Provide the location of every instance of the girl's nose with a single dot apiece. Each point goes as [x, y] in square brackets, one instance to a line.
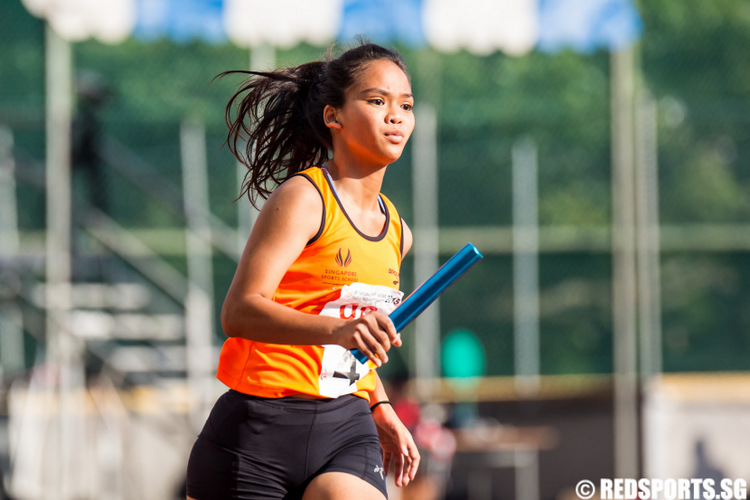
[394, 117]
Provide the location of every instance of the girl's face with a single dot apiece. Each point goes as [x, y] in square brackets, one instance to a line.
[376, 119]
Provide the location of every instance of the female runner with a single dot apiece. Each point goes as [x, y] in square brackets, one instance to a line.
[303, 418]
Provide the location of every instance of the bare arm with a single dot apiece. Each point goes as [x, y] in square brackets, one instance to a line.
[396, 441]
[289, 218]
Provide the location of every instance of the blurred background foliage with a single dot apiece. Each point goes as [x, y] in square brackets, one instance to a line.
[693, 59]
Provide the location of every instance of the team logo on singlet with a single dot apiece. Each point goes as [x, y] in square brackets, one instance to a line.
[340, 370]
[395, 275]
[344, 261]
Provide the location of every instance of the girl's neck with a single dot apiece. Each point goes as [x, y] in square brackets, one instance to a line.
[360, 185]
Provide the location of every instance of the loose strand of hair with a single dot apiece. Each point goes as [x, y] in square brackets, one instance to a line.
[265, 135]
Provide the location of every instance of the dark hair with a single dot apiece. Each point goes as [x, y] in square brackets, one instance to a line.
[275, 119]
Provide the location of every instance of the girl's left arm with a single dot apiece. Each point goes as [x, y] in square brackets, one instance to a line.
[396, 441]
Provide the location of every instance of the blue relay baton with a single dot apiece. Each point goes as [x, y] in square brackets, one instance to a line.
[427, 292]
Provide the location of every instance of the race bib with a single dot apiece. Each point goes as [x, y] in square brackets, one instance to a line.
[340, 370]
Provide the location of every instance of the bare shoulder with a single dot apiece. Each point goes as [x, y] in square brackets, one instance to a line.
[288, 220]
[297, 189]
[296, 202]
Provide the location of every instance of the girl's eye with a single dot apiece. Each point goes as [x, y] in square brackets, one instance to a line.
[377, 101]
[407, 107]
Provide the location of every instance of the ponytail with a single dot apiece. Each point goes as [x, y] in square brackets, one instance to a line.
[275, 119]
[271, 128]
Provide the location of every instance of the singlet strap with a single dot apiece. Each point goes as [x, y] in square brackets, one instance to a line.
[381, 204]
[322, 226]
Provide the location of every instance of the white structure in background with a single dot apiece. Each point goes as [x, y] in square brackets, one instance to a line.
[648, 235]
[426, 245]
[281, 23]
[261, 26]
[76, 20]
[482, 27]
[62, 352]
[61, 475]
[624, 263]
[697, 425]
[262, 58]
[9, 237]
[478, 26]
[11, 317]
[526, 267]
[199, 303]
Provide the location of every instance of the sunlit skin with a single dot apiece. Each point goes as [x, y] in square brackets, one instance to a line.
[372, 127]
[369, 132]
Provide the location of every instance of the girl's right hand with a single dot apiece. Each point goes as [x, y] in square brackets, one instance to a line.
[373, 334]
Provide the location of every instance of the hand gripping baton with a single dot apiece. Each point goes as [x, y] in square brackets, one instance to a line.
[427, 292]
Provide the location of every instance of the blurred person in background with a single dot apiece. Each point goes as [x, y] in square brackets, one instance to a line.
[303, 417]
[92, 94]
[436, 443]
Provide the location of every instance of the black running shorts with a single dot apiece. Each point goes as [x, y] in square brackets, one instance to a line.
[258, 448]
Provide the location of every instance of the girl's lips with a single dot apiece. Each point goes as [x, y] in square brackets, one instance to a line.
[395, 137]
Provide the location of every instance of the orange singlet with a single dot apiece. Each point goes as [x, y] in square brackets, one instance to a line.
[342, 273]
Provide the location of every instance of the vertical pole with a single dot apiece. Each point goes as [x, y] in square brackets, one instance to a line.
[11, 320]
[626, 432]
[59, 343]
[262, 58]
[649, 287]
[12, 353]
[526, 267]
[199, 300]
[9, 238]
[647, 214]
[426, 246]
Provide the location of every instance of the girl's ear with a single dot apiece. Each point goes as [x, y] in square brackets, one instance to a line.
[329, 117]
